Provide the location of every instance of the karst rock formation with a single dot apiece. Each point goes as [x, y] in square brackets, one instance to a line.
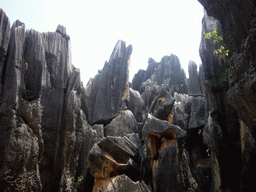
[160, 132]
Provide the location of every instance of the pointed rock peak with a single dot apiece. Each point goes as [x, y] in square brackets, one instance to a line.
[61, 29]
[151, 61]
[4, 30]
[18, 23]
[192, 67]
[4, 16]
[121, 51]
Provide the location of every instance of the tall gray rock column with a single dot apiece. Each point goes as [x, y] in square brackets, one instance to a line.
[108, 92]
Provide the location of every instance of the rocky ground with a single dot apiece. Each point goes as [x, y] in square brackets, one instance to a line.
[160, 132]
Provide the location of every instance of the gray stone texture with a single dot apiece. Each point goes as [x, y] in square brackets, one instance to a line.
[123, 124]
[44, 132]
[108, 91]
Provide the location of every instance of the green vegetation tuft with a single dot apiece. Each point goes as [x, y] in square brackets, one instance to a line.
[216, 39]
[224, 77]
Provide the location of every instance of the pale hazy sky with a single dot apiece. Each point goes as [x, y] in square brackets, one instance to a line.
[153, 28]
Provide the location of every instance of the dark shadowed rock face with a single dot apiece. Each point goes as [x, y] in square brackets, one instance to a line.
[108, 92]
[222, 128]
[238, 24]
[138, 80]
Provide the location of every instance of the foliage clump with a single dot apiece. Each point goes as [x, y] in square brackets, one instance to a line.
[224, 77]
[216, 39]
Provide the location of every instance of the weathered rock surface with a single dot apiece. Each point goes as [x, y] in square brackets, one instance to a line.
[114, 156]
[165, 166]
[21, 143]
[53, 130]
[238, 24]
[167, 72]
[159, 103]
[138, 80]
[166, 133]
[108, 91]
[136, 105]
[194, 85]
[4, 40]
[19, 154]
[222, 129]
[123, 183]
[123, 124]
[43, 125]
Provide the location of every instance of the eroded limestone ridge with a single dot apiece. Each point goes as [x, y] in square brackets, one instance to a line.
[57, 135]
[43, 126]
[162, 132]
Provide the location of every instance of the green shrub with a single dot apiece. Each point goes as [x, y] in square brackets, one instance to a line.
[216, 39]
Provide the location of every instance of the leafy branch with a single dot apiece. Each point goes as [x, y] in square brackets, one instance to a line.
[216, 39]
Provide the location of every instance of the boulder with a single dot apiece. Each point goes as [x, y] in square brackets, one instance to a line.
[136, 105]
[158, 101]
[123, 124]
[148, 87]
[163, 147]
[189, 111]
[157, 126]
[122, 183]
[162, 104]
[99, 128]
[180, 117]
[114, 156]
